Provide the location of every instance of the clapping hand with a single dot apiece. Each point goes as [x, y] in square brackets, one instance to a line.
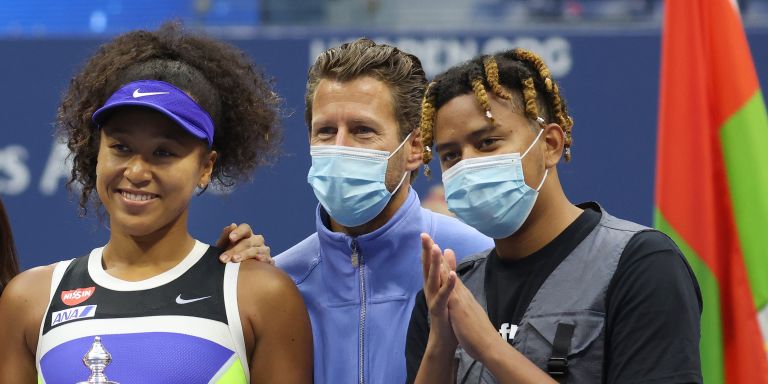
[439, 281]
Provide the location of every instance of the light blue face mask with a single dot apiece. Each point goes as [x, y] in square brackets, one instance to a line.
[349, 182]
[489, 193]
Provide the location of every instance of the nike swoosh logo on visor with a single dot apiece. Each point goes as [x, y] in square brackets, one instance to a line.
[179, 300]
[137, 93]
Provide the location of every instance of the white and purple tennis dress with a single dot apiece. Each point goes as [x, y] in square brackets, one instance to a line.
[182, 326]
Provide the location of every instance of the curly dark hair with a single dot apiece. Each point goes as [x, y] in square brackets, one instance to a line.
[220, 77]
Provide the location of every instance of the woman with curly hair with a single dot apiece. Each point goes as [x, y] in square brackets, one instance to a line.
[153, 118]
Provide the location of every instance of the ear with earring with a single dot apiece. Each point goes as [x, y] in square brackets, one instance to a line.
[201, 188]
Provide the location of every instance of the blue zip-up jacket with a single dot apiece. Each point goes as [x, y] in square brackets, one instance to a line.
[360, 291]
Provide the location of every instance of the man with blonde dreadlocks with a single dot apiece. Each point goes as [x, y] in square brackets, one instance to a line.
[576, 295]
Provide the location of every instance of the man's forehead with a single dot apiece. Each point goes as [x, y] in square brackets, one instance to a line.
[367, 93]
[362, 83]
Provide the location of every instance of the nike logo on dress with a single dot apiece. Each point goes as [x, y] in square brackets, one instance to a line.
[179, 300]
[137, 94]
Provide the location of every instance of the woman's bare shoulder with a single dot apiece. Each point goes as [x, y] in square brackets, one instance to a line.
[264, 291]
[264, 279]
[31, 285]
[25, 300]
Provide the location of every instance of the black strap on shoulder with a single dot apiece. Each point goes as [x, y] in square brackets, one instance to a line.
[557, 366]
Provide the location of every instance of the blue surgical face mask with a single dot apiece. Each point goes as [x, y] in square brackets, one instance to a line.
[489, 193]
[349, 182]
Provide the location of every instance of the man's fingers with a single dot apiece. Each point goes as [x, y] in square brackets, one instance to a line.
[261, 253]
[433, 278]
[244, 231]
[458, 291]
[442, 296]
[264, 258]
[241, 244]
[426, 249]
[426, 242]
[450, 258]
[444, 270]
[233, 233]
[223, 240]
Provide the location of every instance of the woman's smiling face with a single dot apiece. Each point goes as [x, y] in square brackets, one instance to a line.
[147, 170]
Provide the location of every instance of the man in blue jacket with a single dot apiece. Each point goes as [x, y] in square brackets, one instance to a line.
[360, 272]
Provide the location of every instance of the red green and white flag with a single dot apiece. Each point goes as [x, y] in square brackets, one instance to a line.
[712, 181]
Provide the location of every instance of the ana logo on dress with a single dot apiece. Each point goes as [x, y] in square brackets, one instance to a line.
[77, 296]
[75, 313]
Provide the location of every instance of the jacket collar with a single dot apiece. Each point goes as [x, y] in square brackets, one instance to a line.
[390, 256]
[409, 211]
[379, 246]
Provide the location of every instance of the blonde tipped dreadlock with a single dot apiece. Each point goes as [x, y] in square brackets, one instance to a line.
[529, 97]
[492, 75]
[426, 126]
[560, 111]
[482, 98]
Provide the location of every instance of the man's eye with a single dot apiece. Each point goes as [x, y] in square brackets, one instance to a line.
[488, 142]
[449, 157]
[363, 130]
[325, 132]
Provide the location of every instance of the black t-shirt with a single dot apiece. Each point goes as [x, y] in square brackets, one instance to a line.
[653, 305]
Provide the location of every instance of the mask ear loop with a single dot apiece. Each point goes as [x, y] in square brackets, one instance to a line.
[534, 142]
[400, 184]
[406, 172]
[546, 170]
[400, 146]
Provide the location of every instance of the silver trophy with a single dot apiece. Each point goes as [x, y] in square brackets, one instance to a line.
[97, 360]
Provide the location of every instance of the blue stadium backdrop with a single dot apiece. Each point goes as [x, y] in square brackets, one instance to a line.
[609, 77]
